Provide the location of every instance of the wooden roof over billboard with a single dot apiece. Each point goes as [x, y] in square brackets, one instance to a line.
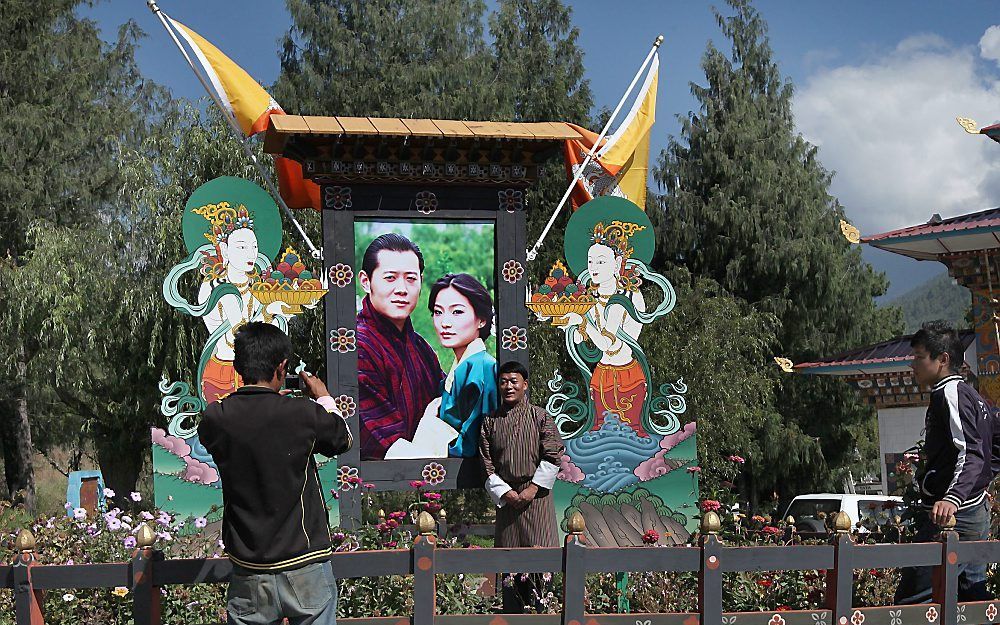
[282, 127]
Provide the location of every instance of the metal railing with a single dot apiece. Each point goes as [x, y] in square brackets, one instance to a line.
[711, 559]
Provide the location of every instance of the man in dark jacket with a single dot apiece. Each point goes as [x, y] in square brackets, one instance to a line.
[274, 523]
[958, 444]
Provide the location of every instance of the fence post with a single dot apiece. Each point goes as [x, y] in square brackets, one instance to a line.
[840, 579]
[27, 600]
[424, 582]
[145, 596]
[945, 588]
[710, 574]
[574, 571]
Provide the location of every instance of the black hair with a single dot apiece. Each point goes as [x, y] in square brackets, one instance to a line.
[513, 366]
[940, 337]
[474, 291]
[260, 348]
[394, 243]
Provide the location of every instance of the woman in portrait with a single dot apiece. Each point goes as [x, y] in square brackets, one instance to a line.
[462, 311]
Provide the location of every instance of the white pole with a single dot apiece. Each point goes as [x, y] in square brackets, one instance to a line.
[533, 252]
[237, 131]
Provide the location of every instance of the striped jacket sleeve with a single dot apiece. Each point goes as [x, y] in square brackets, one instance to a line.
[963, 424]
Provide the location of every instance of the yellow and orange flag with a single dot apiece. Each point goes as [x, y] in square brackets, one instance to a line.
[251, 107]
[621, 164]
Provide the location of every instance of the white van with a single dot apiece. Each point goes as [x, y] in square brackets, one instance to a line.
[812, 513]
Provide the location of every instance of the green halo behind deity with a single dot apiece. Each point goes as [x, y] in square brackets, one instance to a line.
[604, 210]
[263, 211]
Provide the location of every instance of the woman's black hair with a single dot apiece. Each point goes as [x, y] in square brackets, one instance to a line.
[474, 291]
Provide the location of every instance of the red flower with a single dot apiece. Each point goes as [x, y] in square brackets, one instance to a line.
[765, 583]
[710, 505]
[770, 529]
[651, 537]
[418, 483]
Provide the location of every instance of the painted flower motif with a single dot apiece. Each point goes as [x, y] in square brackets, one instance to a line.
[896, 617]
[512, 271]
[931, 614]
[120, 591]
[341, 274]
[343, 340]
[777, 619]
[426, 202]
[345, 405]
[337, 198]
[960, 614]
[433, 473]
[511, 200]
[514, 338]
[347, 477]
[991, 612]
[857, 618]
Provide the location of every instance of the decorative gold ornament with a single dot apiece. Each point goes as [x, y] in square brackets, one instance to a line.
[145, 537]
[25, 541]
[426, 524]
[576, 523]
[710, 523]
[842, 522]
[970, 125]
[852, 234]
[224, 219]
[785, 363]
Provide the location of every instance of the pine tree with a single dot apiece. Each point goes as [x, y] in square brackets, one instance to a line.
[67, 100]
[747, 204]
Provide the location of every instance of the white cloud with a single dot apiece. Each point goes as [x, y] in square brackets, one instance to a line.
[887, 128]
[989, 44]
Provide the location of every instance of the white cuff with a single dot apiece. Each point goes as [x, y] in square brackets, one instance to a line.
[545, 475]
[328, 404]
[497, 488]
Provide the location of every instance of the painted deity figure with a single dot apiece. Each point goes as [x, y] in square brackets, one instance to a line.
[619, 383]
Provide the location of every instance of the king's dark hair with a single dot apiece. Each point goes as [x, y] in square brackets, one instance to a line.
[474, 291]
[940, 337]
[260, 348]
[392, 242]
[513, 366]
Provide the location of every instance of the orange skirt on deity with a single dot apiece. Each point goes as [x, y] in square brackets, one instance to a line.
[219, 379]
[620, 390]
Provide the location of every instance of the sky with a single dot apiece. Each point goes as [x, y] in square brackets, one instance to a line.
[877, 87]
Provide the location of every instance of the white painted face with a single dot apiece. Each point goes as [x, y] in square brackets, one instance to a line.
[240, 250]
[604, 268]
[454, 319]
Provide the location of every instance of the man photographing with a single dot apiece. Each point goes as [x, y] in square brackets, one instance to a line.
[274, 523]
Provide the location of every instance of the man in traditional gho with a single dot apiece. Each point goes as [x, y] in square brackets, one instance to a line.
[521, 450]
[398, 372]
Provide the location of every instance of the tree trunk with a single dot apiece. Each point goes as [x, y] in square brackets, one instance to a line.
[18, 450]
[121, 460]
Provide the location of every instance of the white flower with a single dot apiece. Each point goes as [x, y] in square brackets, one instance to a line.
[134, 496]
[200, 522]
[79, 513]
[126, 518]
[108, 492]
[114, 524]
[69, 597]
[146, 515]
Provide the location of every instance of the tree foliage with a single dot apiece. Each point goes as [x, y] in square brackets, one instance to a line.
[747, 204]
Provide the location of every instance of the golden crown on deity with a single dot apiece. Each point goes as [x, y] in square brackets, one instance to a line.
[616, 236]
[224, 220]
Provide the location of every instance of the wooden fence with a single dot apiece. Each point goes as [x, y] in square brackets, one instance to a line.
[148, 571]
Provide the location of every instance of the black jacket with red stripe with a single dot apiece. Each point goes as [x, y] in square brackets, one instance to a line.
[274, 515]
[958, 436]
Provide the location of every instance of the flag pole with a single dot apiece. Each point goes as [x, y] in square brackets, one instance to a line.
[236, 130]
[533, 252]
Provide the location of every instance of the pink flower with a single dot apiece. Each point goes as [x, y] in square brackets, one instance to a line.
[710, 505]
[418, 483]
[651, 537]
[737, 459]
[129, 542]
[770, 529]
[694, 469]
[432, 496]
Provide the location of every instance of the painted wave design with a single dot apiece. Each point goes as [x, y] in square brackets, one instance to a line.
[609, 456]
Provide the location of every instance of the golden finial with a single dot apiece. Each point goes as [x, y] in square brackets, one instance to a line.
[852, 234]
[790, 520]
[785, 364]
[381, 514]
[146, 537]
[25, 541]
[970, 125]
[842, 522]
[710, 523]
[442, 514]
[576, 523]
[426, 524]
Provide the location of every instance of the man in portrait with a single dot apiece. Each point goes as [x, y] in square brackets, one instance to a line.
[398, 372]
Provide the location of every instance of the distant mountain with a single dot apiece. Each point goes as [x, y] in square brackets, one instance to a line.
[941, 297]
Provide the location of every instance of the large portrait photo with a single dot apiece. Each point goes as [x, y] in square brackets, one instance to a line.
[426, 343]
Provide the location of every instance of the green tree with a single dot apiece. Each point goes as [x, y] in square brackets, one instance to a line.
[67, 99]
[747, 204]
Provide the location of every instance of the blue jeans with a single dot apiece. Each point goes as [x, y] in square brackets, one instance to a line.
[916, 582]
[306, 596]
